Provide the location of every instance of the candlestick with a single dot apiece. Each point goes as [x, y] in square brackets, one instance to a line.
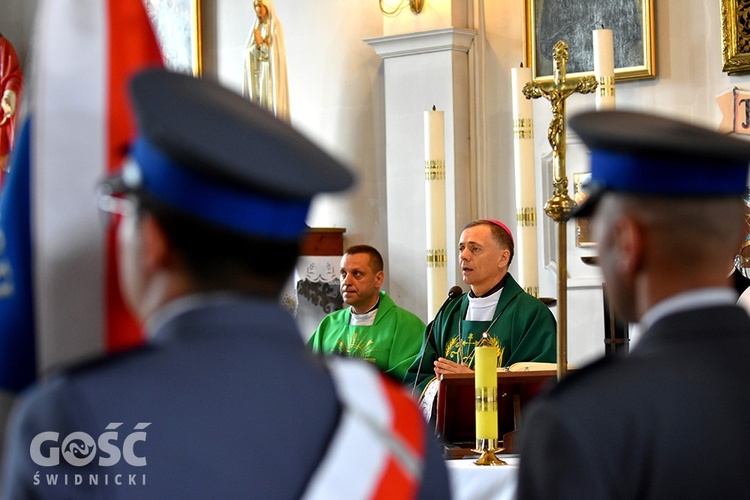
[523, 155]
[604, 68]
[434, 150]
[485, 394]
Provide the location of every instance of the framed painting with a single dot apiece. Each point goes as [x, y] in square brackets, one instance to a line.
[573, 21]
[178, 28]
[735, 36]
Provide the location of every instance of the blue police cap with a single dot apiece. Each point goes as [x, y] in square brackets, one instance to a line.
[646, 154]
[205, 151]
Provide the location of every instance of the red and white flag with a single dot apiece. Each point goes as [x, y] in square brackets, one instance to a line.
[84, 54]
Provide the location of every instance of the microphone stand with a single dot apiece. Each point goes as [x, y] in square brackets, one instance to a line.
[454, 293]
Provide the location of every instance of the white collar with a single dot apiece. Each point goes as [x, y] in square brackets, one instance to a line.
[365, 319]
[482, 308]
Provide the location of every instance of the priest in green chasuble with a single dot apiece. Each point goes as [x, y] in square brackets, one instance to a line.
[373, 328]
[520, 326]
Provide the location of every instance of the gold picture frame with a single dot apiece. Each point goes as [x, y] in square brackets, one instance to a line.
[177, 24]
[735, 37]
[573, 21]
[584, 238]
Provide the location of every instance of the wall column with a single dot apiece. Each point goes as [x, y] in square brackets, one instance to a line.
[421, 70]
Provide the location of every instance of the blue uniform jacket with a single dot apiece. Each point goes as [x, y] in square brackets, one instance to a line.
[225, 402]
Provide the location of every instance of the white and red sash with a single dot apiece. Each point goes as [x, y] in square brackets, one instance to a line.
[379, 448]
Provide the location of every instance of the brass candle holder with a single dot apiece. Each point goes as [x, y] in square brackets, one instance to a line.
[487, 449]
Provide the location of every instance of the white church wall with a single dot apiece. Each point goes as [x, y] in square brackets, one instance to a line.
[336, 93]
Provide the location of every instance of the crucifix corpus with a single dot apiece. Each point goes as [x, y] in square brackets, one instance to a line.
[559, 206]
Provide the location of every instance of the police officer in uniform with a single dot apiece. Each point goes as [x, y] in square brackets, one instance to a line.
[225, 400]
[670, 419]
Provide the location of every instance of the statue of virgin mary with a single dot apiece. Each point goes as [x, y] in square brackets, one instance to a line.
[264, 80]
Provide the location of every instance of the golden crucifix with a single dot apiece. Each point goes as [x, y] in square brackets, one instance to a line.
[559, 206]
[557, 91]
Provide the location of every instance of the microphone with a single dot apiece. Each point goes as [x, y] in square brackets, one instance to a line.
[454, 293]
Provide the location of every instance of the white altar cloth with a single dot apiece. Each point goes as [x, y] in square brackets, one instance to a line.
[487, 482]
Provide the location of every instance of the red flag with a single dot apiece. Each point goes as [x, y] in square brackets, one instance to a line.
[86, 51]
[127, 22]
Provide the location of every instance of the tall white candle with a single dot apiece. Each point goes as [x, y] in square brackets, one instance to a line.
[523, 155]
[434, 152]
[604, 68]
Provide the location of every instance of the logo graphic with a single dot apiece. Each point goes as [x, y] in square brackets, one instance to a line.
[80, 449]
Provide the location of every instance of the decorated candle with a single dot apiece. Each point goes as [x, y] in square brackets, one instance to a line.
[604, 68]
[434, 151]
[525, 183]
[485, 389]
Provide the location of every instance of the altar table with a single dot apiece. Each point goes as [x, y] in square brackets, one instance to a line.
[486, 482]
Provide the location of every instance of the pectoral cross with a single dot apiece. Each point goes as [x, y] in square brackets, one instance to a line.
[557, 91]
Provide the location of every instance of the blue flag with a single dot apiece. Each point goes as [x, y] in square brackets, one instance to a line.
[17, 351]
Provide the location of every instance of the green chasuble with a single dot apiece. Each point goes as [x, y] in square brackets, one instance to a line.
[392, 342]
[524, 329]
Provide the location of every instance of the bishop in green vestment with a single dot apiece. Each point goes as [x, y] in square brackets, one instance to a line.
[520, 326]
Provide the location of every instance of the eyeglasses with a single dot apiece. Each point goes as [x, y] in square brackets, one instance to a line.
[110, 205]
[116, 205]
[741, 261]
[742, 264]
